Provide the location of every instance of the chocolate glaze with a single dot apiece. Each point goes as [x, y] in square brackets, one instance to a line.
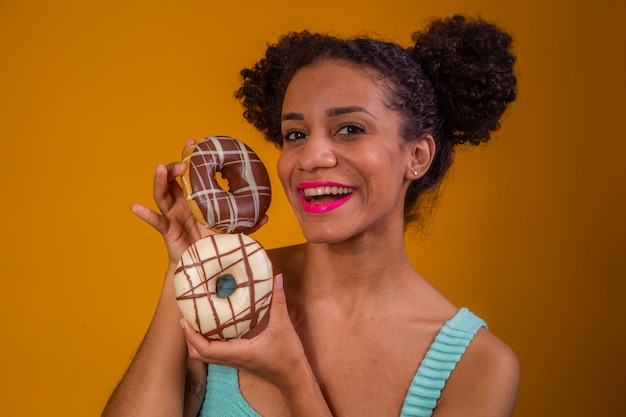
[249, 192]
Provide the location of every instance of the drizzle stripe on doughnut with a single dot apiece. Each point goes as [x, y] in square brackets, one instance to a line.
[196, 285]
[249, 194]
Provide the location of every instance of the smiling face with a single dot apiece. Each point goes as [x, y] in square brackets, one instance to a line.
[344, 166]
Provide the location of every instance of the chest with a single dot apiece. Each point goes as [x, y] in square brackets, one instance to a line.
[361, 372]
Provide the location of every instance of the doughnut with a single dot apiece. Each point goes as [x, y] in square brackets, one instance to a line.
[249, 192]
[223, 285]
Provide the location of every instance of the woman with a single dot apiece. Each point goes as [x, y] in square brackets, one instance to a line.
[353, 329]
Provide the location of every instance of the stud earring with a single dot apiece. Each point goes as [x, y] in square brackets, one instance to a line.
[415, 173]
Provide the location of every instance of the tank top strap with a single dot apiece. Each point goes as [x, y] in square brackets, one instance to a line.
[440, 360]
[223, 397]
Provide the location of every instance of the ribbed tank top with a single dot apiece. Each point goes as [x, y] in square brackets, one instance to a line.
[223, 398]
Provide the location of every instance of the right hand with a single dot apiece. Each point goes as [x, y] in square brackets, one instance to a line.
[175, 222]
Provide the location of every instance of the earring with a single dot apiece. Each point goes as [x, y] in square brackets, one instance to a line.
[415, 173]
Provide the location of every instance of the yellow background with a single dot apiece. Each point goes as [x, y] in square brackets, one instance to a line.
[529, 231]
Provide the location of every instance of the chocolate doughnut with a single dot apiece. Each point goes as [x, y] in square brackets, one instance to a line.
[239, 265]
[249, 193]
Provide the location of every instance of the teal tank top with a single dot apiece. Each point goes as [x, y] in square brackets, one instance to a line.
[223, 398]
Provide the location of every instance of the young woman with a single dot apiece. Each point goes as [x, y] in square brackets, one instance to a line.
[367, 130]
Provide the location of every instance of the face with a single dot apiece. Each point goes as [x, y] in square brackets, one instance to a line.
[343, 165]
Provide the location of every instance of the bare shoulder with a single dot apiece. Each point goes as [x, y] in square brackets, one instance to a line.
[485, 382]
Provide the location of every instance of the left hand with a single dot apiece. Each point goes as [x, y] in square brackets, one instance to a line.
[258, 355]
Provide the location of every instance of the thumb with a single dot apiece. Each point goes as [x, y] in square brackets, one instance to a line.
[278, 307]
[278, 292]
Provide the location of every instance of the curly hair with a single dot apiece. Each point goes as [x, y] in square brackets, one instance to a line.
[454, 83]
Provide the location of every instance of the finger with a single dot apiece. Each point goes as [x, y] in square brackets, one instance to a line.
[165, 189]
[193, 353]
[205, 230]
[194, 338]
[215, 351]
[149, 216]
[279, 314]
[279, 299]
[160, 189]
[175, 169]
[191, 143]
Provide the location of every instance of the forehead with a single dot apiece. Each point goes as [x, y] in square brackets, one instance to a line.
[335, 82]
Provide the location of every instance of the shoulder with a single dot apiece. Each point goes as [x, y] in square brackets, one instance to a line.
[484, 383]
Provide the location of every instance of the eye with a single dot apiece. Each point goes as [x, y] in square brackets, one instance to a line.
[351, 130]
[293, 136]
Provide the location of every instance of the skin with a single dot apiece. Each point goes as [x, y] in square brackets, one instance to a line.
[350, 318]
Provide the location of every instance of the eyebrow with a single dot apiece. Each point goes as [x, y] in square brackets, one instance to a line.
[333, 111]
[338, 111]
[292, 116]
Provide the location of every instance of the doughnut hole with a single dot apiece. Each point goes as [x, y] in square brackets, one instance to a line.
[226, 286]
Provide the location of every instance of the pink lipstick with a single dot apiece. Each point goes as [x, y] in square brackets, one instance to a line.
[321, 196]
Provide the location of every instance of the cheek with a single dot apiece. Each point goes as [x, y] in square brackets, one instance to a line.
[388, 176]
[387, 166]
[284, 168]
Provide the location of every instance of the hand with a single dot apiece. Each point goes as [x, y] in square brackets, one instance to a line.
[175, 222]
[258, 355]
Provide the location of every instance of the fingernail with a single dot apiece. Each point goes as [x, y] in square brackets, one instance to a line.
[182, 323]
[278, 281]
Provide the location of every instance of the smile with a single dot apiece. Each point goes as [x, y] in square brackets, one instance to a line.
[322, 197]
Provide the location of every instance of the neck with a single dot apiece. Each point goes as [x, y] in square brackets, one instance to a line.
[355, 273]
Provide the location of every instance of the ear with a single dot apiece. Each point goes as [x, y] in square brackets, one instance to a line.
[421, 156]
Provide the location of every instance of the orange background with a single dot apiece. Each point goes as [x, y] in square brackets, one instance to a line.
[529, 231]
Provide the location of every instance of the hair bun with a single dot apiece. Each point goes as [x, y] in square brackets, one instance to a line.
[471, 68]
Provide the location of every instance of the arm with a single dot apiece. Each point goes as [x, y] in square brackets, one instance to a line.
[154, 384]
[161, 380]
[195, 387]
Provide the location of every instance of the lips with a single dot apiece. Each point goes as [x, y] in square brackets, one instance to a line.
[322, 197]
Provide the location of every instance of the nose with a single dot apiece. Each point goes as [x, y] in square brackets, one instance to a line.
[318, 152]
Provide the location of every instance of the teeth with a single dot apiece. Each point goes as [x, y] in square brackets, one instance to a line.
[327, 190]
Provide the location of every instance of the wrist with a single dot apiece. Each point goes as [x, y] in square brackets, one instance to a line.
[304, 396]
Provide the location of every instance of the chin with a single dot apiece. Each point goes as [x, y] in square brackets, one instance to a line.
[319, 234]
[326, 234]
[320, 238]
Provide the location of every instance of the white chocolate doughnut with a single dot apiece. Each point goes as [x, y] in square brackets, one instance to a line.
[249, 192]
[222, 257]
